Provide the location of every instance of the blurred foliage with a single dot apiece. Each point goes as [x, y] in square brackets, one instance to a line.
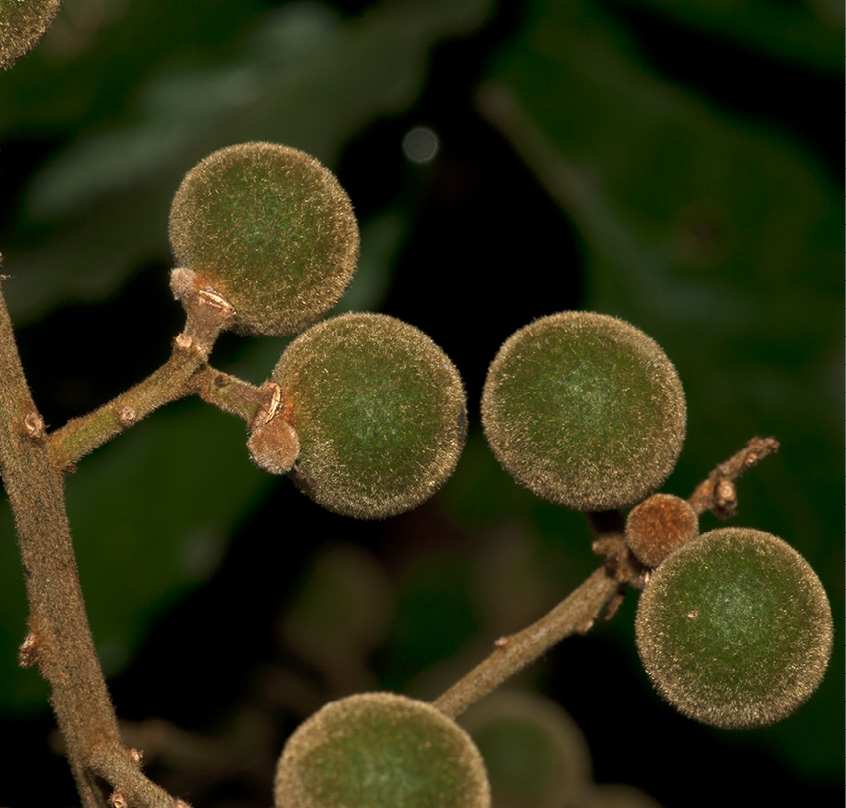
[663, 162]
[535, 754]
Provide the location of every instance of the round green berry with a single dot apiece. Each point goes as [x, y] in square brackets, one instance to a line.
[269, 229]
[379, 411]
[735, 629]
[380, 750]
[585, 410]
[22, 24]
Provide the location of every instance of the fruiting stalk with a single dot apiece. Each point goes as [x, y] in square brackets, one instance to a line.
[574, 615]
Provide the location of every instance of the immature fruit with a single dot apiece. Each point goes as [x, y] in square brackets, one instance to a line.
[535, 753]
[22, 24]
[341, 610]
[659, 525]
[734, 629]
[585, 410]
[379, 411]
[270, 229]
[380, 750]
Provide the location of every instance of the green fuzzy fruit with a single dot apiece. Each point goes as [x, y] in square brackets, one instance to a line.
[380, 750]
[270, 229]
[379, 411]
[585, 410]
[735, 629]
[22, 24]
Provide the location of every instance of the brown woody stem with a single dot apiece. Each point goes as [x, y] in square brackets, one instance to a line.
[717, 493]
[59, 639]
[190, 354]
[574, 615]
[79, 436]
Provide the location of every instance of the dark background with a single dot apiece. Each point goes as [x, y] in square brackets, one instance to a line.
[672, 166]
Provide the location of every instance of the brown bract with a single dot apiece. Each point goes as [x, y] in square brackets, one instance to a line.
[274, 446]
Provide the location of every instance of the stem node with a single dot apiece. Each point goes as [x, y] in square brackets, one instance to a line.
[128, 416]
[33, 425]
[28, 652]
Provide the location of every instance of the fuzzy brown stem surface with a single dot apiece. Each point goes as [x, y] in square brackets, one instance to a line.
[189, 355]
[59, 641]
[717, 493]
[574, 615]
[79, 436]
[230, 394]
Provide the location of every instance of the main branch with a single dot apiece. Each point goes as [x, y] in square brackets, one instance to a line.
[59, 641]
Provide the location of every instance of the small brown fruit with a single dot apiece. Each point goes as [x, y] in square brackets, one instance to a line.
[659, 525]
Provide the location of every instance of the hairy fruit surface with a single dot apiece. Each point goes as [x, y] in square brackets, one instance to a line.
[585, 410]
[379, 411]
[734, 629]
[380, 750]
[268, 228]
[22, 24]
[659, 525]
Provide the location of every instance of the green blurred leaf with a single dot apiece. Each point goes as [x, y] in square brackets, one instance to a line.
[807, 33]
[150, 515]
[302, 78]
[535, 753]
[96, 53]
[433, 617]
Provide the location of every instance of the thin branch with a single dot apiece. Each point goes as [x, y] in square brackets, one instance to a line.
[231, 394]
[717, 493]
[82, 435]
[574, 615]
[191, 349]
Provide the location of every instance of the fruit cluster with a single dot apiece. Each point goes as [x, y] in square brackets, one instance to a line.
[368, 417]
[371, 414]
[733, 626]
